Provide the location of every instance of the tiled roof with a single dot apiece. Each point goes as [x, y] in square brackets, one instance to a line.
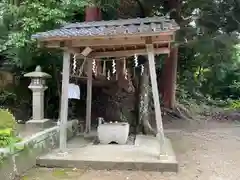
[113, 27]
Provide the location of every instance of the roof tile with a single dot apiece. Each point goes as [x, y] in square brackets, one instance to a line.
[114, 27]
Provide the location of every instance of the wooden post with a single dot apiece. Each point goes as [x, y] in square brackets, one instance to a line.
[104, 68]
[119, 69]
[92, 13]
[153, 77]
[64, 101]
[89, 96]
[173, 76]
[99, 67]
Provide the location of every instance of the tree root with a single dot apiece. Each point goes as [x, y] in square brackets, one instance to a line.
[147, 128]
[179, 112]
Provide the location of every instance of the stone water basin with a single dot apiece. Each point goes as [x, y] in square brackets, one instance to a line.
[113, 132]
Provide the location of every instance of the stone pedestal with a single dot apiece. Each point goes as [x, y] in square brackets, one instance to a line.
[38, 119]
[38, 102]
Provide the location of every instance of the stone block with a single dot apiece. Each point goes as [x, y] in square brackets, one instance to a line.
[41, 123]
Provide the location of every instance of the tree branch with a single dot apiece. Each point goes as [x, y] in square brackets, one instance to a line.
[143, 13]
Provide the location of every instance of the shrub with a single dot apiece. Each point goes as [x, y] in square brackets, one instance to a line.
[7, 98]
[7, 120]
[7, 129]
[7, 138]
[235, 104]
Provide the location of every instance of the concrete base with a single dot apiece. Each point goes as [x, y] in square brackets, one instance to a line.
[143, 155]
[42, 123]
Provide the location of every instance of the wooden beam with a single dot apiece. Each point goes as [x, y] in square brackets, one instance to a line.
[153, 77]
[108, 42]
[126, 53]
[120, 42]
[64, 101]
[89, 96]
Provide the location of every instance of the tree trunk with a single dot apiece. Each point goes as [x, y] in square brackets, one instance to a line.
[144, 109]
[168, 79]
[169, 75]
[93, 13]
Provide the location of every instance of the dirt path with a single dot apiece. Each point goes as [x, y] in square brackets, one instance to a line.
[203, 153]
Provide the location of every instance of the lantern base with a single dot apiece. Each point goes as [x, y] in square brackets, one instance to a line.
[41, 123]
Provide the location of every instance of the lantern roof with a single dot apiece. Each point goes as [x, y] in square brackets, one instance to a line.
[37, 73]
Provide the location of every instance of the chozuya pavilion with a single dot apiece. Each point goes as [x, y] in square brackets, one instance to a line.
[115, 39]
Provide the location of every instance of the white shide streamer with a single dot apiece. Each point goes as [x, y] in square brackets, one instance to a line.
[94, 67]
[108, 75]
[126, 74]
[74, 63]
[142, 69]
[135, 60]
[113, 67]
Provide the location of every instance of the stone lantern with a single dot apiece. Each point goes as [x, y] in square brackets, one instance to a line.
[38, 86]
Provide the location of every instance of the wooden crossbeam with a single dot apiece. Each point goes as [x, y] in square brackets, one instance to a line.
[106, 42]
[126, 53]
[120, 42]
[123, 53]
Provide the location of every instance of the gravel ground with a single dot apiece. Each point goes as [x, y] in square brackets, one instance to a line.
[203, 154]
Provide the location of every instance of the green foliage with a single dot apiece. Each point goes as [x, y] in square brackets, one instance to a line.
[208, 58]
[235, 105]
[7, 97]
[7, 138]
[7, 129]
[213, 72]
[20, 21]
[7, 120]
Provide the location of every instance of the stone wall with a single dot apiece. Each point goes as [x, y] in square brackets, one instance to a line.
[6, 78]
[16, 162]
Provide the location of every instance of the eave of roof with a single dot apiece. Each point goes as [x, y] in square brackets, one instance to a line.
[127, 27]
